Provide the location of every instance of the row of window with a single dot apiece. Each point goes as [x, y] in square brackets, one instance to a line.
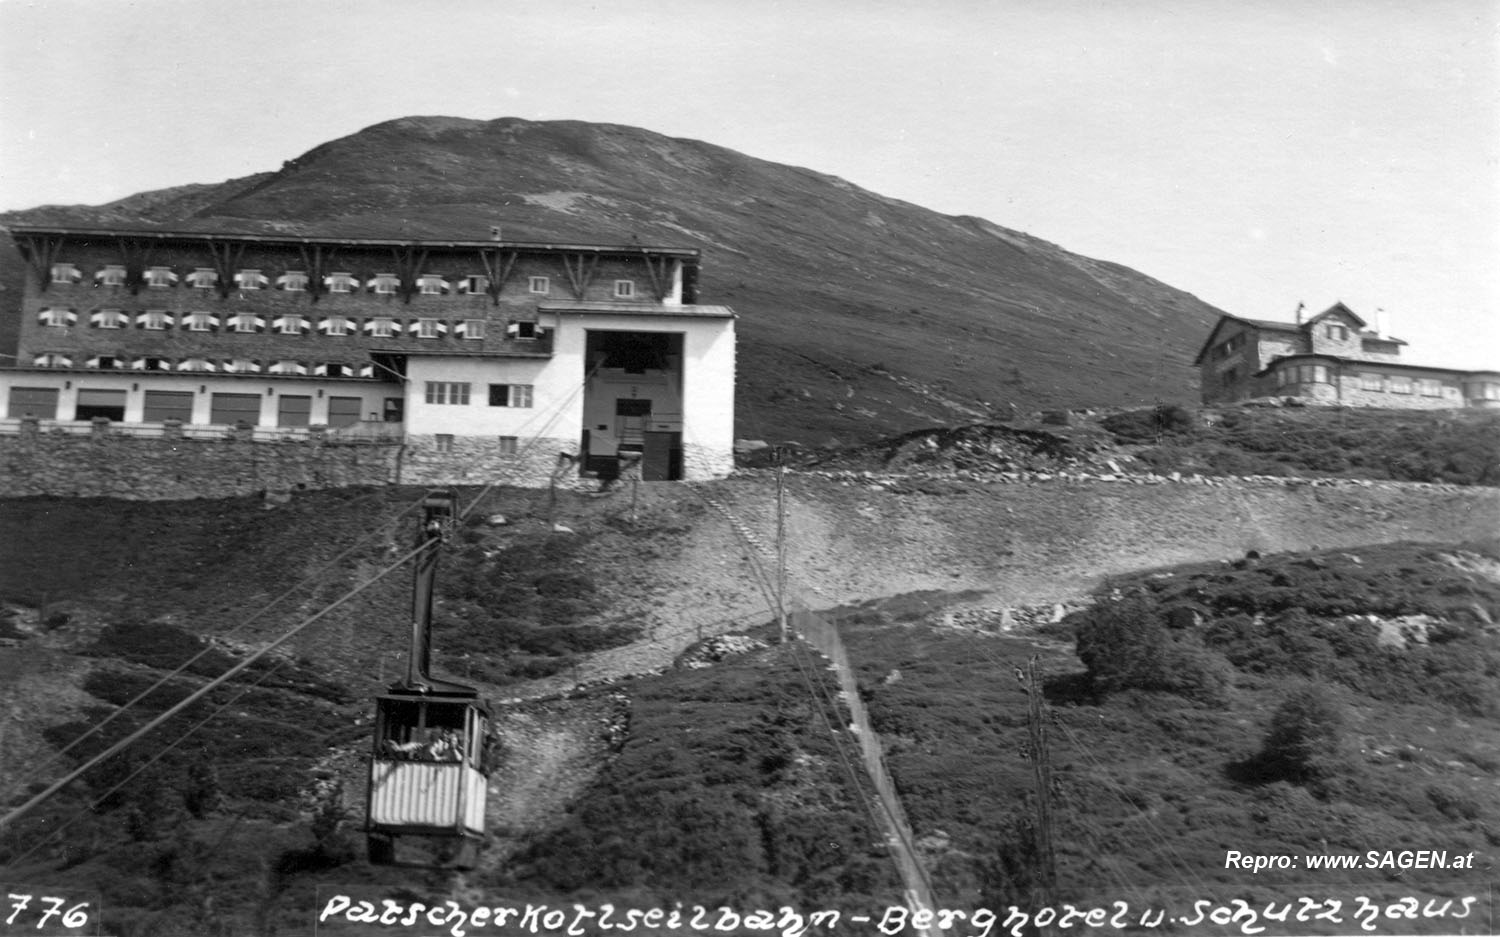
[248, 323]
[206, 365]
[1368, 381]
[457, 393]
[160, 405]
[296, 281]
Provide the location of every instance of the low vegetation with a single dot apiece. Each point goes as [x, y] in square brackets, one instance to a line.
[1457, 447]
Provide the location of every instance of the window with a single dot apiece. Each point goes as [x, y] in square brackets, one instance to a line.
[57, 317]
[429, 328]
[343, 411]
[65, 274]
[245, 322]
[1400, 385]
[336, 325]
[293, 410]
[1428, 387]
[293, 281]
[163, 405]
[443, 442]
[1372, 382]
[385, 284]
[1303, 374]
[472, 329]
[200, 322]
[154, 320]
[525, 331]
[1452, 393]
[1338, 333]
[242, 366]
[473, 284]
[151, 364]
[111, 275]
[539, 285]
[340, 282]
[251, 280]
[40, 402]
[429, 284]
[287, 366]
[333, 369]
[447, 392]
[103, 362]
[93, 403]
[108, 319]
[510, 395]
[290, 325]
[381, 328]
[52, 360]
[509, 445]
[1482, 390]
[203, 278]
[235, 408]
[1229, 346]
[624, 289]
[160, 278]
[196, 364]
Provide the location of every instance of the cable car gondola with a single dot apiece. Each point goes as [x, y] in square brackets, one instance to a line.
[428, 770]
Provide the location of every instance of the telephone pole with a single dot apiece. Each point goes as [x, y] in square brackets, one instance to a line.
[1041, 768]
[778, 454]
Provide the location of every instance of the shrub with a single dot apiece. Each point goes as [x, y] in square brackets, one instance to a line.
[1126, 645]
[1305, 738]
[1149, 425]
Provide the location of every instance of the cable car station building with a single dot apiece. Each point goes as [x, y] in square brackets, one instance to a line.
[484, 360]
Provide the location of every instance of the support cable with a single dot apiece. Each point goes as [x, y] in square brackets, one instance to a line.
[202, 691]
[208, 648]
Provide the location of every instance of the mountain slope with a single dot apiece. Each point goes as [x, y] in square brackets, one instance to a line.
[860, 314]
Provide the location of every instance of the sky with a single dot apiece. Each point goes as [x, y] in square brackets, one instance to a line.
[1256, 153]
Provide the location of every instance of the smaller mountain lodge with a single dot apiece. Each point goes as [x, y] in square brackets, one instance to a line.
[1334, 357]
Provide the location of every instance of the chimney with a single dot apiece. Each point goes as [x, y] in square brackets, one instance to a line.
[1380, 331]
[1300, 307]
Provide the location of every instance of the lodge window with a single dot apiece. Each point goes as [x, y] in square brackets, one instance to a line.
[201, 322]
[429, 328]
[340, 282]
[1483, 390]
[510, 395]
[1371, 382]
[196, 364]
[1429, 388]
[447, 392]
[108, 319]
[539, 285]
[154, 320]
[1337, 333]
[151, 364]
[104, 362]
[1400, 385]
[431, 285]
[293, 281]
[474, 284]
[40, 402]
[245, 322]
[290, 325]
[1303, 374]
[111, 275]
[160, 405]
[336, 325]
[472, 329]
[381, 328]
[285, 366]
[509, 445]
[203, 279]
[57, 317]
[526, 331]
[233, 409]
[65, 274]
[160, 278]
[443, 442]
[52, 360]
[385, 283]
[241, 366]
[624, 289]
[251, 280]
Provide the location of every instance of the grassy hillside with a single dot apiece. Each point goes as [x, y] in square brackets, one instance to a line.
[861, 315]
